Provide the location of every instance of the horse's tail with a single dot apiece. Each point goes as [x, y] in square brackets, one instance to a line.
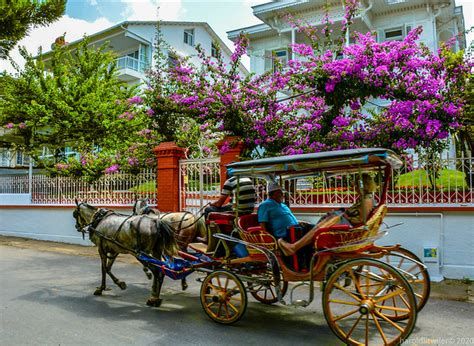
[168, 244]
[201, 227]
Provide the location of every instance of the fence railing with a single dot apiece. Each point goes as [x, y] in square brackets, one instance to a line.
[112, 189]
[444, 183]
[451, 183]
[199, 183]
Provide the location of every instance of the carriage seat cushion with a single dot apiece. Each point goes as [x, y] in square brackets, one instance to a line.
[221, 218]
[248, 221]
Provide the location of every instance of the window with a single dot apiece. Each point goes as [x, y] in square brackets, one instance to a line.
[22, 159]
[214, 50]
[281, 56]
[189, 36]
[394, 34]
[133, 55]
[4, 158]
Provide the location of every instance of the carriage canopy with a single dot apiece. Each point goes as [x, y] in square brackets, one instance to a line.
[307, 164]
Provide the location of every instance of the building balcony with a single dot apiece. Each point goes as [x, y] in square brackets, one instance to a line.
[131, 69]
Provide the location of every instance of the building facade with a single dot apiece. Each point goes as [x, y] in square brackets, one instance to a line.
[388, 19]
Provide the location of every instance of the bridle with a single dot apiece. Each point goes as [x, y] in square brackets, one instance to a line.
[90, 227]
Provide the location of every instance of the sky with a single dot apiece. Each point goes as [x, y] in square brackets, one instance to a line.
[90, 16]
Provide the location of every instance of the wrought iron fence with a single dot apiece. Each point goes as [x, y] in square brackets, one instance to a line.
[112, 189]
[448, 182]
[445, 182]
[199, 183]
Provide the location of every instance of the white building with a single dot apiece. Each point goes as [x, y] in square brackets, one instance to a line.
[389, 19]
[134, 42]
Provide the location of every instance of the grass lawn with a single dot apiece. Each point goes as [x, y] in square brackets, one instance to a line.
[448, 179]
[149, 186]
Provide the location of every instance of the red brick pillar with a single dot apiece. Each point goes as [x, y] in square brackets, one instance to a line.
[232, 147]
[168, 155]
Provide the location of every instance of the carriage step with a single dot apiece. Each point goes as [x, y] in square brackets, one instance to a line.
[300, 302]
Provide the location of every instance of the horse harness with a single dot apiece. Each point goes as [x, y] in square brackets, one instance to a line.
[98, 217]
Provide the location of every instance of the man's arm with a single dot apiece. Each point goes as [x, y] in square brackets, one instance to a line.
[220, 202]
[264, 226]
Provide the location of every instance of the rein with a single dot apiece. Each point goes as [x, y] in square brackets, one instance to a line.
[98, 216]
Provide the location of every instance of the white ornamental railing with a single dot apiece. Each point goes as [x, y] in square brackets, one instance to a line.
[447, 182]
[199, 184]
[111, 189]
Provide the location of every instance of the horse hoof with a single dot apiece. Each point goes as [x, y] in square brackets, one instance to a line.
[184, 286]
[98, 292]
[122, 285]
[155, 302]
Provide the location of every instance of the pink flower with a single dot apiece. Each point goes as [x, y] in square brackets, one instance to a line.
[112, 169]
[135, 100]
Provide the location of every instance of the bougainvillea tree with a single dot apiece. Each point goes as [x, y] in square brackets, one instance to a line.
[395, 94]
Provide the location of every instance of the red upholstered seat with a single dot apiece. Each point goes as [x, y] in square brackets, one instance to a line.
[251, 232]
[225, 221]
[246, 221]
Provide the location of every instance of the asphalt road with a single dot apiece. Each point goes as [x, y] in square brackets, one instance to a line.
[46, 299]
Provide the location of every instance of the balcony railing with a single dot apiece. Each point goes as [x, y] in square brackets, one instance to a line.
[131, 63]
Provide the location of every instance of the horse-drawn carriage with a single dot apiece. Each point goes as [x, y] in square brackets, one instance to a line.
[370, 293]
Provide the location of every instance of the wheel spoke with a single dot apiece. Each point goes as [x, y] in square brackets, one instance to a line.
[394, 304]
[402, 259]
[338, 301]
[353, 327]
[226, 310]
[418, 295]
[379, 328]
[226, 283]
[232, 306]
[367, 330]
[413, 267]
[389, 295]
[346, 291]
[375, 276]
[346, 315]
[356, 282]
[209, 305]
[393, 308]
[404, 301]
[367, 283]
[385, 318]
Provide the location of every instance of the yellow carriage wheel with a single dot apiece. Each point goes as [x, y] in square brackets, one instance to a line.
[223, 297]
[358, 303]
[416, 275]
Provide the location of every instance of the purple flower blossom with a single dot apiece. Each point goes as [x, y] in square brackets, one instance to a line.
[112, 169]
[137, 100]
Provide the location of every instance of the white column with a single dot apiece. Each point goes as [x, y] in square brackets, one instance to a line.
[293, 41]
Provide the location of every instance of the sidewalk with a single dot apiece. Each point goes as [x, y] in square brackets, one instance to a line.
[459, 290]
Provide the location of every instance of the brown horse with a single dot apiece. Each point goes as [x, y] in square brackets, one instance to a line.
[115, 234]
[188, 228]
